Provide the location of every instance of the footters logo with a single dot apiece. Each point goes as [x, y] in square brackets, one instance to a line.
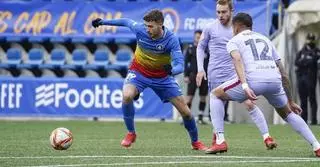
[100, 96]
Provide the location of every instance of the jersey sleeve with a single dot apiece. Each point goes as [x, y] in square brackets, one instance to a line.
[232, 46]
[177, 59]
[122, 22]
[202, 46]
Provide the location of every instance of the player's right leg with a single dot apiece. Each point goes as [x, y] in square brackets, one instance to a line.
[261, 123]
[130, 90]
[232, 90]
[217, 112]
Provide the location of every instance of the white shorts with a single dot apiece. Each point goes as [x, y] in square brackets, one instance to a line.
[272, 91]
[213, 85]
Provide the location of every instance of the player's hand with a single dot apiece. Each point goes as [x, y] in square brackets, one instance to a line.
[168, 69]
[295, 107]
[186, 79]
[96, 22]
[250, 94]
[200, 75]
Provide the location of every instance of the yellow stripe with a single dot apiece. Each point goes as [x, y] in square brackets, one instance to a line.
[151, 60]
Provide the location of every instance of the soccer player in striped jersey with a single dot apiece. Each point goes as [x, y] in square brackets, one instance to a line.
[157, 59]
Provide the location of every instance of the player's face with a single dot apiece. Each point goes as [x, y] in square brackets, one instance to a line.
[224, 14]
[153, 28]
[197, 38]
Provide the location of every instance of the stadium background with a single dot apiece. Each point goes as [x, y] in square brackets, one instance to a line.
[54, 64]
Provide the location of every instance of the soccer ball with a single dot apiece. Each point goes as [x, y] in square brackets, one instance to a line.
[61, 138]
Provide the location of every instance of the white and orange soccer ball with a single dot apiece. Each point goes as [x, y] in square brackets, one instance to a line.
[61, 138]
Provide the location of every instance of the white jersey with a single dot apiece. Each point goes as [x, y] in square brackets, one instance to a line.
[258, 55]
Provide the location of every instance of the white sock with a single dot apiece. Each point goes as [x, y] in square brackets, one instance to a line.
[260, 121]
[220, 137]
[315, 146]
[300, 126]
[265, 136]
[217, 113]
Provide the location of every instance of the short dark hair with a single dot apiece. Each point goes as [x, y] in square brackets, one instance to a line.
[244, 19]
[154, 15]
[198, 32]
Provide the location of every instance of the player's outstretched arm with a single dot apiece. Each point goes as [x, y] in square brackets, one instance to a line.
[285, 80]
[238, 64]
[287, 88]
[114, 22]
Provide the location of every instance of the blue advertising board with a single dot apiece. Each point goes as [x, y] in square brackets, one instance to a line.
[73, 18]
[74, 98]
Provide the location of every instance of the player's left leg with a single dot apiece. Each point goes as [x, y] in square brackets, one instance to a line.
[188, 121]
[169, 91]
[300, 126]
[280, 102]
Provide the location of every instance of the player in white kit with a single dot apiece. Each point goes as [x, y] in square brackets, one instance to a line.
[258, 69]
[220, 69]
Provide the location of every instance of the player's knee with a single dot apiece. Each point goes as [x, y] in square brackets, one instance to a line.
[186, 116]
[219, 93]
[283, 112]
[186, 113]
[127, 98]
[249, 105]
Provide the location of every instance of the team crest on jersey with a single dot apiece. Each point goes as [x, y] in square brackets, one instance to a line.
[160, 47]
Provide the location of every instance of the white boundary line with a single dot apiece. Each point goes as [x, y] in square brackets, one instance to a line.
[165, 156]
[179, 162]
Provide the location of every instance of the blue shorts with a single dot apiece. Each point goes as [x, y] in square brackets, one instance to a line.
[166, 88]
